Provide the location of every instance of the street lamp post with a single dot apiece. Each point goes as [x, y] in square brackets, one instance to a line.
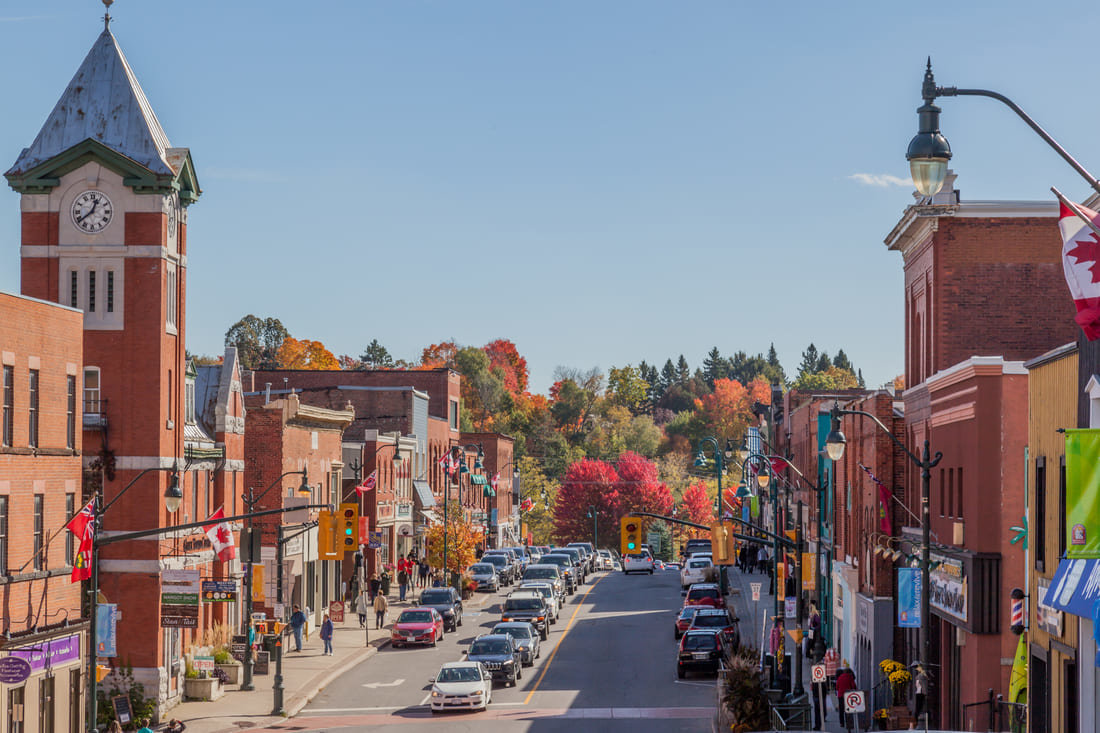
[250, 501]
[834, 446]
[929, 150]
[719, 469]
[173, 495]
[595, 526]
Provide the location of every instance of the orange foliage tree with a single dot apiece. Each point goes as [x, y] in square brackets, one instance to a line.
[696, 506]
[439, 355]
[513, 367]
[462, 541]
[727, 410]
[305, 354]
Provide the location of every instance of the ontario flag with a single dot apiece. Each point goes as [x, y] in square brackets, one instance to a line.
[220, 536]
[446, 462]
[82, 525]
[368, 483]
[1081, 262]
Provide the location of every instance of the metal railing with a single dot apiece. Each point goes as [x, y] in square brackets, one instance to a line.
[998, 716]
[95, 413]
[792, 715]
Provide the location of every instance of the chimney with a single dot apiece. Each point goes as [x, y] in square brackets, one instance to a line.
[267, 393]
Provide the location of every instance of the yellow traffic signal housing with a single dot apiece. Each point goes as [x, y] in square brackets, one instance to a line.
[348, 528]
[327, 547]
[630, 535]
[721, 543]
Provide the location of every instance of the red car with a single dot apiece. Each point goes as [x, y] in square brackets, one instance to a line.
[417, 626]
[705, 594]
[684, 620]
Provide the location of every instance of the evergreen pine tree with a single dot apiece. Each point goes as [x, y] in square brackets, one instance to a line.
[859, 376]
[823, 363]
[841, 361]
[668, 376]
[683, 371]
[809, 360]
[714, 367]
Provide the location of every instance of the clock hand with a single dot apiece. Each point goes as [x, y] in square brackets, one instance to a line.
[90, 211]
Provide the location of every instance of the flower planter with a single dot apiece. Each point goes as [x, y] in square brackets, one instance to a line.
[196, 688]
[232, 671]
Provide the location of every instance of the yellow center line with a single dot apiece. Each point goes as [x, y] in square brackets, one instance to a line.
[561, 640]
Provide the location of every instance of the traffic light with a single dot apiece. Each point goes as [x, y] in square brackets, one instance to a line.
[630, 535]
[327, 547]
[721, 543]
[348, 528]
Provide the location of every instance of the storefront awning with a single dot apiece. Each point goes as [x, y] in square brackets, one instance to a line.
[1075, 587]
[424, 493]
[477, 479]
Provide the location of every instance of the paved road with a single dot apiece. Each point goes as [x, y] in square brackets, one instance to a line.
[608, 666]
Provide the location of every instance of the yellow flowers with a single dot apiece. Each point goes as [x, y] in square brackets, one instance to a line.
[889, 666]
[899, 677]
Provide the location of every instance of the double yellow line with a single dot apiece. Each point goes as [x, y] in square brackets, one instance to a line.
[565, 631]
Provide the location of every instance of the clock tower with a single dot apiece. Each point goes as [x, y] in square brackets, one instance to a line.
[104, 201]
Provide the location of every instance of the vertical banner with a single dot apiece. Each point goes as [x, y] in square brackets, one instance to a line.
[754, 506]
[106, 630]
[909, 598]
[1083, 493]
[809, 571]
[781, 579]
[258, 583]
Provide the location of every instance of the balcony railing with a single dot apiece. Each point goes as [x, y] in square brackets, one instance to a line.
[95, 413]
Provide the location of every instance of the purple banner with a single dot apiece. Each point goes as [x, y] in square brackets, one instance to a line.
[59, 651]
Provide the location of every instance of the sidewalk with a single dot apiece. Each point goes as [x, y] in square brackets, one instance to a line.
[756, 628]
[305, 674]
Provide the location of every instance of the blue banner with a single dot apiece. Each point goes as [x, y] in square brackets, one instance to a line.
[106, 630]
[908, 598]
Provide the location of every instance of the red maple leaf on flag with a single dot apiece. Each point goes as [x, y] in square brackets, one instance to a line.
[1088, 250]
[223, 534]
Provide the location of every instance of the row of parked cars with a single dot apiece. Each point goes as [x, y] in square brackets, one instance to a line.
[543, 579]
[706, 628]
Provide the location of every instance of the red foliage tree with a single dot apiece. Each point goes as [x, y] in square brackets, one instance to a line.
[439, 355]
[587, 483]
[696, 506]
[503, 355]
[638, 488]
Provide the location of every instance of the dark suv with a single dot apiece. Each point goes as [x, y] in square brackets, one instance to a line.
[568, 571]
[499, 654]
[449, 604]
[529, 607]
[505, 569]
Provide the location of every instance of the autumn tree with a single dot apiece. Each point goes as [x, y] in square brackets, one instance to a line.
[627, 387]
[588, 483]
[257, 341]
[305, 354]
[439, 355]
[831, 378]
[696, 506]
[504, 356]
[540, 495]
[462, 539]
[638, 488]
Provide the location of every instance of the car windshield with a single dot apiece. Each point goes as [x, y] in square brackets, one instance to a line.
[489, 646]
[482, 568]
[699, 593]
[516, 632]
[557, 560]
[698, 564]
[689, 612]
[522, 604]
[699, 641]
[496, 560]
[435, 596]
[544, 590]
[414, 617]
[541, 573]
[458, 674]
[711, 619]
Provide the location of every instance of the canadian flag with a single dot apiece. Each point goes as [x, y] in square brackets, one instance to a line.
[446, 462]
[496, 478]
[220, 536]
[1081, 262]
[368, 483]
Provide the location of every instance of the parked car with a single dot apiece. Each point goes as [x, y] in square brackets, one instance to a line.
[417, 626]
[720, 620]
[485, 575]
[699, 651]
[578, 561]
[696, 570]
[589, 555]
[547, 573]
[505, 570]
[696, 544]
[607, 562]
[461, 686]
[526, 637]
[447, 602]
[705, 594]
[528, 607]
[499, 654]
[565, 566]
[684, 619]
[637, 562]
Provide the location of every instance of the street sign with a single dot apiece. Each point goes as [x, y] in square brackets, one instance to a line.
[854, 701]
[374, 540]
[755, 593]
[817, 673]
[790, 606]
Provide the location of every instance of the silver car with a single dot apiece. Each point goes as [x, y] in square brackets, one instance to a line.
[526, 638]
[485, 575]
[546, 589]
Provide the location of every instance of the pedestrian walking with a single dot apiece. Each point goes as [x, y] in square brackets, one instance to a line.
[326, 635]
[422, 571]
[145, 726]
[375, 584]
[297, 625]
[114, 727]
[381, 605]
[402, 582]
[362, 607]
[762, 559]
[845, 681]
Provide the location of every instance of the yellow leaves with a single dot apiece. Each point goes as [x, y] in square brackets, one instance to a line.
[305, 354]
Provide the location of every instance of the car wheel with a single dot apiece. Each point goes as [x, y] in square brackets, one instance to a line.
[459, 623]
[678, 635]
[519, 673]
[544, 634]
[651, 571]
[434, 711]
[681, 672]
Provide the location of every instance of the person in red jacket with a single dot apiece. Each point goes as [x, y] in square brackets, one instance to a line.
[845, 681]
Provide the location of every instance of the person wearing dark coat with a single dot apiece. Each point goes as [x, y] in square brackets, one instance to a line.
[845, 682]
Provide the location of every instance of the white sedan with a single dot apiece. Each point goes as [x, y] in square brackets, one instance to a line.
[698, 569]
[637, 562]
[462, 686]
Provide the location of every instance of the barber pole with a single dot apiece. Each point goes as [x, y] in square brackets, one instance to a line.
[1017, 620]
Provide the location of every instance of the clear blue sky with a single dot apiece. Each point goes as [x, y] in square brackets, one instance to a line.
[600, 182]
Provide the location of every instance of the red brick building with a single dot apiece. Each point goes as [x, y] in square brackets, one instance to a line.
[286, 435]
[40, 472]
[104, 199]
[967, 331]
[496, 501]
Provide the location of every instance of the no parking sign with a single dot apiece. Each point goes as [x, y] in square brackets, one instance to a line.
[817, 673]
[854, 701]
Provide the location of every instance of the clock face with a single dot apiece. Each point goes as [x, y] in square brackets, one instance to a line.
[92, 212]
[173, 216]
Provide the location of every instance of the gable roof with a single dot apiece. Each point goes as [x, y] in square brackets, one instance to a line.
[105, 103]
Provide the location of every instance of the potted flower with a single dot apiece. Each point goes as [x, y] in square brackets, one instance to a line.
[229, 666]
[880, 718]
[200, 686]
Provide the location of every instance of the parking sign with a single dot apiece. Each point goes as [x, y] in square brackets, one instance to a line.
[854, 702]
[817, 673]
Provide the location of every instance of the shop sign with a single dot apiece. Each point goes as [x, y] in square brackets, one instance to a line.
[14, 670]
[1048, 619]
[219, 591]
[404, 511]
[51, 653]
[947, 587]
[179, 599]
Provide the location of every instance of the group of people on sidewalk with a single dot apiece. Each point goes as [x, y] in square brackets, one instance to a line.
[753, 557]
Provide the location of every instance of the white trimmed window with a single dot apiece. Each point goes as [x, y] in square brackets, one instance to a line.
[95, 285]
[172, 300]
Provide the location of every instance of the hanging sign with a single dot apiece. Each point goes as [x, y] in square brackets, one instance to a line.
[106, 630]
[909, 598]
[179, 599]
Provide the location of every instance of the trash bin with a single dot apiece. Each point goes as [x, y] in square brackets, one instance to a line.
[269, 643]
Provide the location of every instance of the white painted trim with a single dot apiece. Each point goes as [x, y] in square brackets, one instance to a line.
[101, 250]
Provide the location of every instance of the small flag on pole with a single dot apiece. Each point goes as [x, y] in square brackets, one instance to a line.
[368, 483]
[220, 536]
[82, 526]
[1081, 263]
